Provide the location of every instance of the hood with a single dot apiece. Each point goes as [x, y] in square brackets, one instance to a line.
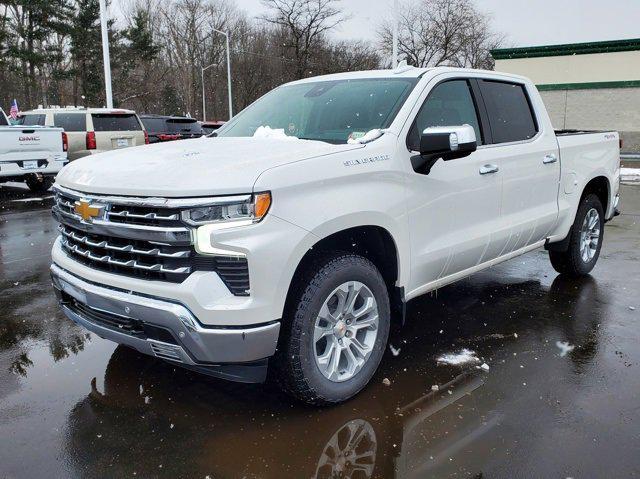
[199, 167]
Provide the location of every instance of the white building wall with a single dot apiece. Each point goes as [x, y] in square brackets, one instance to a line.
[597, 109]
[587, 68]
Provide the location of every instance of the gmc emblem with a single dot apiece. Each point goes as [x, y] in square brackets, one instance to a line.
[29, 138]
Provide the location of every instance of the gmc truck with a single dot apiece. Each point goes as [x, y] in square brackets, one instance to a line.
[31, 154]
[294, 237]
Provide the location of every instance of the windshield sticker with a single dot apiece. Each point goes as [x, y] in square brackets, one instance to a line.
[354, 135]
[364, 161]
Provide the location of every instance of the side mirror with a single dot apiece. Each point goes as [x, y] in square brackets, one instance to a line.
[446, 142]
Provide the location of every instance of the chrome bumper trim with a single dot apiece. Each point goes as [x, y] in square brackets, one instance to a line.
[197, 345]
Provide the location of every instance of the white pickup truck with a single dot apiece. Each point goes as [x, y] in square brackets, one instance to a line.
[32, 154]
[297, 234]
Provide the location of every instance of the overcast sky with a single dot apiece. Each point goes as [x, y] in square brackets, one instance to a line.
[525, 22]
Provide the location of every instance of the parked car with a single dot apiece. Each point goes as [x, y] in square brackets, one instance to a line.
[33, 155]
[168, 128]
[91, 130]
[209, 127]
[296, 236]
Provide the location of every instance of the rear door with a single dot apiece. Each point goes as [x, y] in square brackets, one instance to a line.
[117, 130]
[529, 166]
[75, 126]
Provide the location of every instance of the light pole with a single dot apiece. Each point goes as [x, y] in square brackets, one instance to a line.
[204, 116]
[204, 104]
[395, 34]
[105, 53]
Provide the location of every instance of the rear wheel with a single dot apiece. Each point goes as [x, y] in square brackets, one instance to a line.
[39, 184]
[585, 240]
[337, 330]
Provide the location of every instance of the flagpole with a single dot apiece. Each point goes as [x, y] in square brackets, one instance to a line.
[105, 53]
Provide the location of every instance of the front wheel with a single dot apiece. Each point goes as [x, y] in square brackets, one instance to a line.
[585, 240]
[337, 330]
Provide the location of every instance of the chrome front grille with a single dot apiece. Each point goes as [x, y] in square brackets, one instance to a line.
[141, 238]
[163, 262]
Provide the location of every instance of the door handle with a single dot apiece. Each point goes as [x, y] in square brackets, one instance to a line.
[549, 159]
[486, 169]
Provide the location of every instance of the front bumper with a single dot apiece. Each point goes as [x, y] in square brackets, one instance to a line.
[165, 329]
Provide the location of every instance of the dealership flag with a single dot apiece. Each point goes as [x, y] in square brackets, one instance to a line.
[13, 113]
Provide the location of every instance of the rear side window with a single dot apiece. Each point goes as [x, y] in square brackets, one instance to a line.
[3, 120]
[184, 126]
[510, 113]
[115, 122]
[32, 119]
[449, 104]
[71, 121]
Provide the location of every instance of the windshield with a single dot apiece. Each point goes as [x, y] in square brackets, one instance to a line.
[331, 111]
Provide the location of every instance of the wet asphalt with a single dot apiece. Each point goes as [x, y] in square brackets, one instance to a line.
[75, 405]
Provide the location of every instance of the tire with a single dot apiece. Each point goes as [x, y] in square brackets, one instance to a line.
[302, 368]
[39, 185]
[574, 261]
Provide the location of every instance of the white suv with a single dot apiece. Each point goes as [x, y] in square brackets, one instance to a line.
[91, 130]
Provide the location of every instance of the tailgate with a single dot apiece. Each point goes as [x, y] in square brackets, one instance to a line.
[29, 143]
[117, 130]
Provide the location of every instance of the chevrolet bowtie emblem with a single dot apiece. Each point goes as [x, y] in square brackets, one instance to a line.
[86, 210]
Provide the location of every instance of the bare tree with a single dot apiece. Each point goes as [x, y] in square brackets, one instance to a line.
[304, 22]
[442, 32]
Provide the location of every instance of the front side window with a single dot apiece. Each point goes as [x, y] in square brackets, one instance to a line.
[3, 119]
[330, 111]
[71, 121]
[449, 104]
[510, 113]
[115, 122]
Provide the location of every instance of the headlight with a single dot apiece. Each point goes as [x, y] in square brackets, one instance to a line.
[243, 209]
[223, 213]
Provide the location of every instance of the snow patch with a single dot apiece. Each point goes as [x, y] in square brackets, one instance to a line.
[565, 348]
[465, 356]
[272, 133]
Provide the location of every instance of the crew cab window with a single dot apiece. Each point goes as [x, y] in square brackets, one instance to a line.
[71, 121]
[3, 120]
[510, 113]
[31, 119]
[449, 104]
[115, 122]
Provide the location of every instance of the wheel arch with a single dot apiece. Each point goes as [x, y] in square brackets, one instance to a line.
[601, 187]
[372, 241]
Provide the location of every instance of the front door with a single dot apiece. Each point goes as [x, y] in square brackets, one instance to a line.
[453, 210]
